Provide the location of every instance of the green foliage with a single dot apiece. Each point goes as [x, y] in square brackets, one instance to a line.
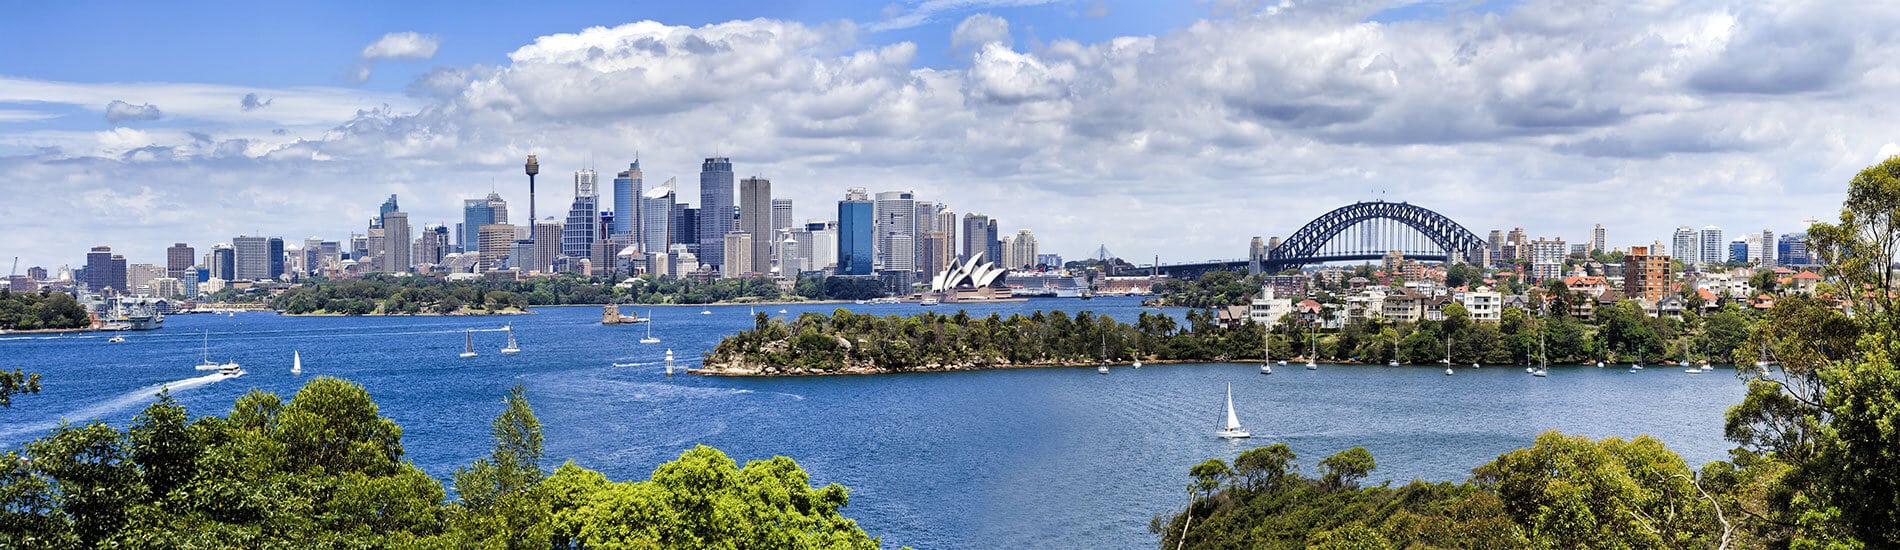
[1214, 289]
[17, 383]
[44, 310]
[502, 503]
[1344, 469]
[1572, 492]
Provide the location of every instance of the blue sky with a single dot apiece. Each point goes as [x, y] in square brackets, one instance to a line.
[1217, 120]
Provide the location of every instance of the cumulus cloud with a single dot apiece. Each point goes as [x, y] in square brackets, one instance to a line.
[980, 29]
[252, 102]
[1637, 117]
[395, 45]
[119, 111]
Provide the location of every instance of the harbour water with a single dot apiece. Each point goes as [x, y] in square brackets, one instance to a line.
[1032, 458]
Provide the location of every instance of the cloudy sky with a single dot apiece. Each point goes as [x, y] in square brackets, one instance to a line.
[1174, 129]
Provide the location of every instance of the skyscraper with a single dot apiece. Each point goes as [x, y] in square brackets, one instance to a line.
[1495, 246]
[1023, 250]
[388, 206]
[582, 229]
[856, 229]
[782, 215]
[1547, 259]
[1714, 249]
[1738, 250]
[628, 192]
[105, 271]
[657, 208]
[755, 218]
[715, 210]
[257, 258]
[477, 213]
[1645, 275]
[738, 255]
[1597, 237]
[496, 243]
[947, 223]
[976, 227]
[896, 213]
[395, 253]
[934, 259]
[993, 245]
[1767, 258]
[1683, 245]
[545, 241]
[222, 262]
[178, 258]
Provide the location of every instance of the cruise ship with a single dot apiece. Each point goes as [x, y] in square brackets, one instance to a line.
[1046, 285]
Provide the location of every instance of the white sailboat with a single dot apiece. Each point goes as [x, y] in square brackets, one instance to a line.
[1312, 345]
[649, 339]
[1266, 355]
[296, 362]
[1762, 360]
[468, 345]
[512, 348]
[207, 363]
[1231, 428]
[1543, 362]
[1104, 368]
[1395, 351]
[1447, 354]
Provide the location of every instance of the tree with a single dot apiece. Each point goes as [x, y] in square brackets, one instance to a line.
[1263, 468]
[500, 503]
[1344, 469]
[1208, 476]
[17, 383]
[1572, 492]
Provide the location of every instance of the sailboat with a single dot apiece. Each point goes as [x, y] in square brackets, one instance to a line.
[705, 312]
[512, 348]
[1395, 351]
[1762, 360]
[296, 362]
[1266, 356]
[1312, 345]
[208, 364]
[1447, 354]
[649, 339]
[468, 346]
[1694, 368]
[1231, 429]
[1104, 368]
[1543, 362]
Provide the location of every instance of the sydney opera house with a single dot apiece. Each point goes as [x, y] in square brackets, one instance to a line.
[972, 280]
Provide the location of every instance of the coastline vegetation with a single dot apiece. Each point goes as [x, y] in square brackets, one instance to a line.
[40, 311]
[390, 295]
[326, 470]
[1816, 463]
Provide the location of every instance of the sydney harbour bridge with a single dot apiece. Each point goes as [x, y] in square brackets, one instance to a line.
[1356, 232]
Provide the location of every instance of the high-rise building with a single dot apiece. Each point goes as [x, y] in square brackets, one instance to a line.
[1738, 250]
[628, 192]
[738, 261]
[376, 247]
[976, 228]
[755, 219]
[254, 257]
[856, 230]
[388, 206]
[1495, 247]
[105, 271]
[657, 207]
[496, 243]
[1714, 248]
[582, 229]
[139, 277]
[686, 230]
[947, 223]
[823, 251]
[1645, 276]
[896, 213]
[432, 246]
[1792, 250]
[1022, 250]
[1684, 245]
[937, 253]
[901, 257]
[994, 245]
[782, 215]
[222, 262]
[715, 210]
[395, 253]
[1597, 239]
[1767, 257]
[545, 242]
[477, 213]
[178, 258]
[1547, 259]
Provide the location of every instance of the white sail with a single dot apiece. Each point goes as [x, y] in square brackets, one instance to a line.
[1233, 421]
[296, 362]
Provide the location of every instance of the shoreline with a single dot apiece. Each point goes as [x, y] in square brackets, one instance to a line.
[424, 314]
[1291, 363]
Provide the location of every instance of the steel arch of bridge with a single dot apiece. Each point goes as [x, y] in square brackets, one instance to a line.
[1306, 246]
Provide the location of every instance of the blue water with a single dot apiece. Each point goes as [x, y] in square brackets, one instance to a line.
[1010, 458]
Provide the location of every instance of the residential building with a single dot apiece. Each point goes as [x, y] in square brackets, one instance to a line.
[1767, 247]
[1484, 304]
[1597, 239]
[1269, 308]
[715, 210]
[1022, 250]
[1645, 275]
[1684, 245]
[1738, 250]
[178, 258]
[1792, 250]
[629, 214]
[755, 219]
[1714, 248]
[1547, 259]
[1403, 305]
[856, 231]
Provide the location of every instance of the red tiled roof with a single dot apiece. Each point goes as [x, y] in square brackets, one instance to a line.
[1807, 275]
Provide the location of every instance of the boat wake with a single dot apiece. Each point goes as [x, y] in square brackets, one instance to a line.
[130, 399]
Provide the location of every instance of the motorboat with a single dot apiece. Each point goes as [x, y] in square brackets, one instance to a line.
[705, 312]
[115, 339]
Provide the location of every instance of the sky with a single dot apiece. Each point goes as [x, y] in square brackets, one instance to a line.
[1170, 129]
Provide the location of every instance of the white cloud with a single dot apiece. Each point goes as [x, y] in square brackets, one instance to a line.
[1211, 133]
[981, 29]
[401, 45]
[21, 115]
[119, 111]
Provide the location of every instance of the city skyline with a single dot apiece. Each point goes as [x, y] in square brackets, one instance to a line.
[1034, 114]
